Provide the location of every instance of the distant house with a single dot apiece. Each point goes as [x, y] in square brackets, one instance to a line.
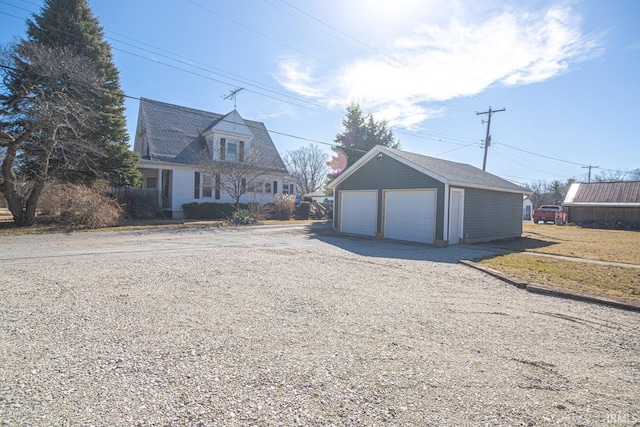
[176, 142]
[399, 195]
[320, 197]
[527, 208]
[611, 204]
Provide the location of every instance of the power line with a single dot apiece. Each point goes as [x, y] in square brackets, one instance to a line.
[339, 31]
[190, 63]
[540, 155]
[259, 33]
[465, 142]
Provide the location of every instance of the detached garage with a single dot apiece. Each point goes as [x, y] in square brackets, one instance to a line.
[394, 194]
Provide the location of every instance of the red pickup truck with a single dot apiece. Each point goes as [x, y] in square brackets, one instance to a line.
[550, 213]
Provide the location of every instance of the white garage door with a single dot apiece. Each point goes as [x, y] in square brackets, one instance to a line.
[358, 212]
[410, 215]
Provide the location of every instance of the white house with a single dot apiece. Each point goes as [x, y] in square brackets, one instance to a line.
[177, 143]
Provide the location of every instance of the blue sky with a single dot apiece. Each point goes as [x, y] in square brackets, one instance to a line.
[565, 71]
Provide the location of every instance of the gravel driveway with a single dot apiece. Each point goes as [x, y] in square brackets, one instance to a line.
[279, 326]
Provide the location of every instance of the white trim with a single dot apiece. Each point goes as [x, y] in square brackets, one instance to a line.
[460, 217]
[379, 149]
[445, 225]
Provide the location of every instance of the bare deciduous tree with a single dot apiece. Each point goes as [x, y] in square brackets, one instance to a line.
[308, 166]
[42, 106]
[617, 175]
[234, 177]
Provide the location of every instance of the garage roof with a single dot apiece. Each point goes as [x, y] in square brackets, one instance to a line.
[604, 194]
[451, 173]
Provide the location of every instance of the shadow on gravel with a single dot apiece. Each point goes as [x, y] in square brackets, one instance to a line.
[379, 248]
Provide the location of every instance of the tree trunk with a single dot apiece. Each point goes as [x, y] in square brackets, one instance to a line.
[14, 200]
[23, 206]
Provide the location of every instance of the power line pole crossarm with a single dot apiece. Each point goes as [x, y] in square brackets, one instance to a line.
[487, 140]
[590, 167]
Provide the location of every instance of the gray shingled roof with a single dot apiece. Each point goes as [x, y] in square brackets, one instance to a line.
[174, 134]
[595, 193]
[459, 173]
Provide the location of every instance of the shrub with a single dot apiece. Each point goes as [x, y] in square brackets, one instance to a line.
[256, 209]
[242, 217]
[284, 206]
[138, 202]
[80, 206]
[303, 210]
[209, 210]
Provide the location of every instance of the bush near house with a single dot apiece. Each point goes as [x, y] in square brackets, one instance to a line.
[210, 210]
[303, 210]
[242, 217]
[79, 206]
[285, 205]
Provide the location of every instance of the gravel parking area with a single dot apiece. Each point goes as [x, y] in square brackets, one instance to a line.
[279, 326]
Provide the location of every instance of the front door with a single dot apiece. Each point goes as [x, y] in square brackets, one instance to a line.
[456, 215]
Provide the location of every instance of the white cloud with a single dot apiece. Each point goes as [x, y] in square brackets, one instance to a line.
[456, 58]
[298, 78]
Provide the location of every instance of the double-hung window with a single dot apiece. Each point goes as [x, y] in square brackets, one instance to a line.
[232, 151]
[206, 185]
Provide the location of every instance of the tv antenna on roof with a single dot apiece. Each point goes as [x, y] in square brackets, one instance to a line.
[232, 95]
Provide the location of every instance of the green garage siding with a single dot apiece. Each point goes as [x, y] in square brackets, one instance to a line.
[491, 214]
[389, 174]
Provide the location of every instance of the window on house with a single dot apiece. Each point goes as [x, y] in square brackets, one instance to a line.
[275, 187]
[291, 189]
[223, 149]
[232, 151]
[145, 146]
[196, 189]
[256, 187]
[152, 182]
[241, 151]
[267, 187]
[207, 184]
[217, 187]
[243, 185]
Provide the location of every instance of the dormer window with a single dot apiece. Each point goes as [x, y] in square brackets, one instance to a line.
[232, 151]
[145, 146]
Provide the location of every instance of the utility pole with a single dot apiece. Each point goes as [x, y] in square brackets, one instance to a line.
[590, 167]
[487, 140]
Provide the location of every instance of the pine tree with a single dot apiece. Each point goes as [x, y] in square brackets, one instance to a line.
[360, 134]
[71, 24]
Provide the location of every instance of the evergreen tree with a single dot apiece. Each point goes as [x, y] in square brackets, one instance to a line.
[106, 155]
[41, 109]
[360, 134]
